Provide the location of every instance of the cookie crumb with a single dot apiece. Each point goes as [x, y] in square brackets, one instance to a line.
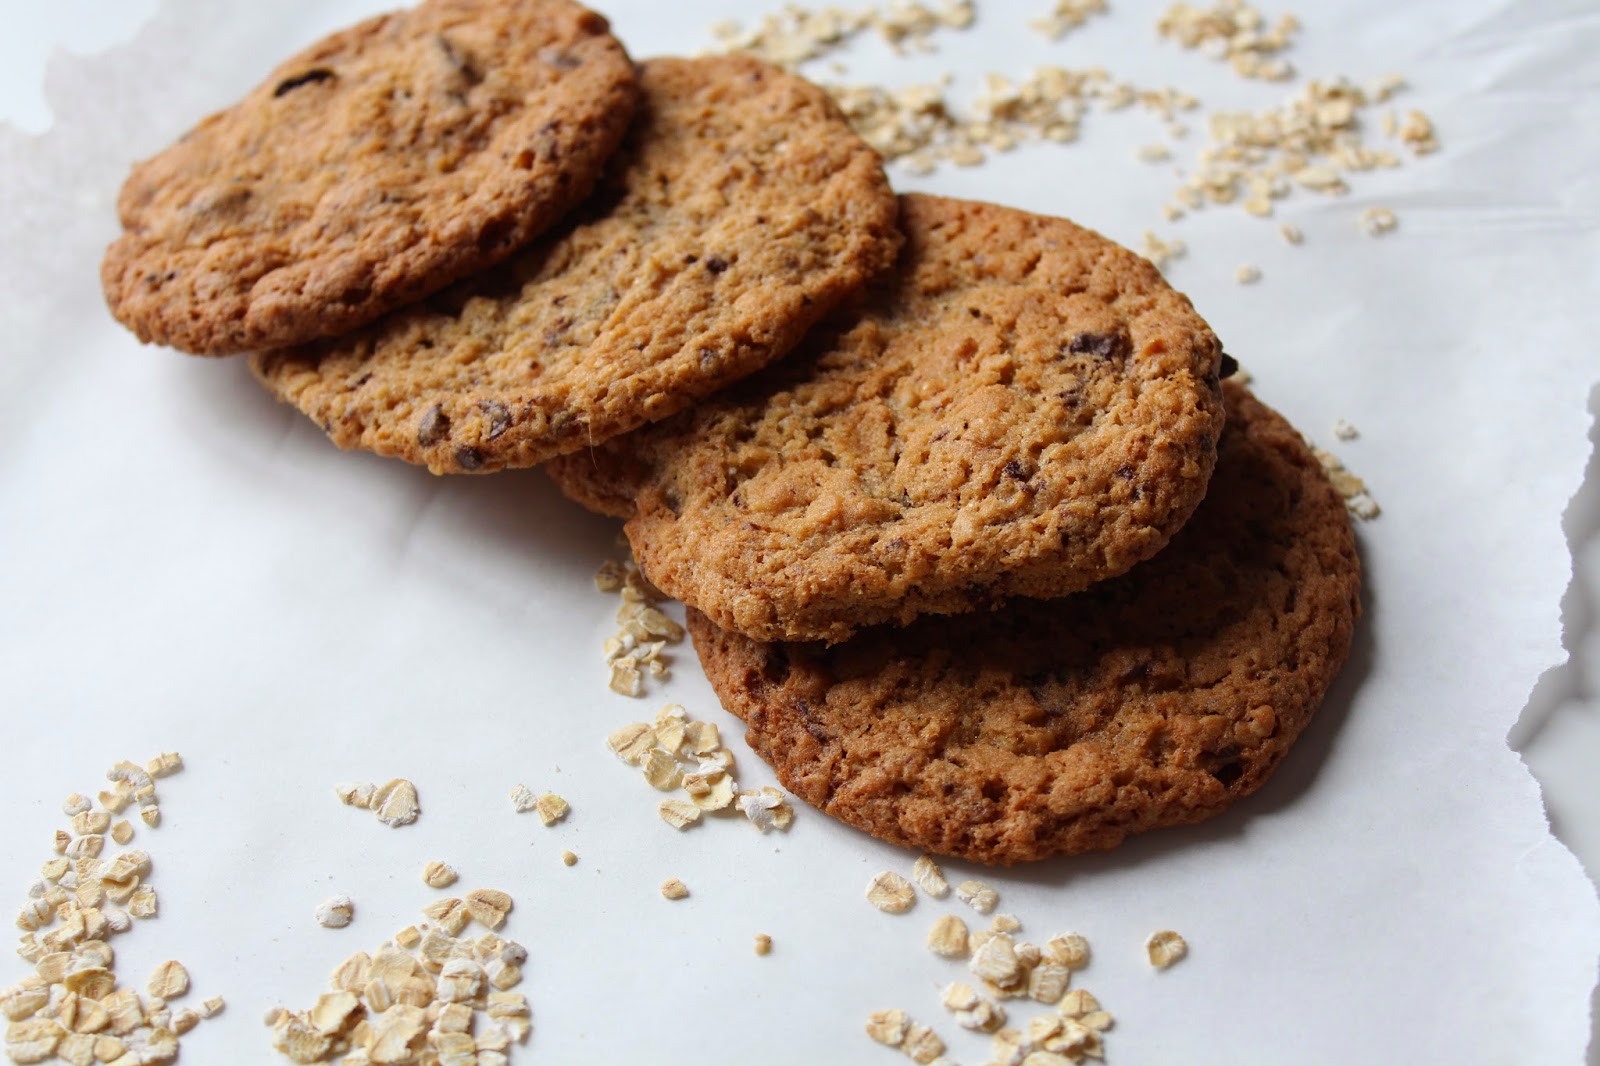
[763, 944]
[1164, 948]
[674, 889]
[1344, 430]
[891, 893]
[1247, 274]
[569, 858]
[335, 912]
[1290, 233]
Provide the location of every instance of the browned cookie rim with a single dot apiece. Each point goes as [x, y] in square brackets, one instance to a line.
[1190, 712]
[211, 284]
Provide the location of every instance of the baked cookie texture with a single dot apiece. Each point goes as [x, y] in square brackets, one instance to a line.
[740, 210]
[1048, 728]
[1020, 408]
[369, 170]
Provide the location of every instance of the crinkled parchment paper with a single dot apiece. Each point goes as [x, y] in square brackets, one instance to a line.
[189, 566]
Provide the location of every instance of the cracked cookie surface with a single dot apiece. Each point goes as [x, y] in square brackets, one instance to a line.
[368, 171]
[1019, 408]
[740, 210]
[1057, 727]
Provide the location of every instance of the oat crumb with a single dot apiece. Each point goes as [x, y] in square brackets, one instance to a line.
[335, 912]
[763, 944]
[569, 858]
[891, 893]
[674, 889]
[1164, 948]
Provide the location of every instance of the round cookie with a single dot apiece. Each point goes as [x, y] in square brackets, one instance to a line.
[375, 167]
[740, 210]
[1021, 407]
[1057, 727]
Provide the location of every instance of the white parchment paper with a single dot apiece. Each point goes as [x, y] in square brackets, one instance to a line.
[189, 566]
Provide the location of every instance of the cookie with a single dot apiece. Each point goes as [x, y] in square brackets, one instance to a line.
[740, 210]
[1057, 727]
[371, 169]
[1021, 407]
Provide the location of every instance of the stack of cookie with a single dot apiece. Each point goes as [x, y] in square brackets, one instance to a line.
[970, 532]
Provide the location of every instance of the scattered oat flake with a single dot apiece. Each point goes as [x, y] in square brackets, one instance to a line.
[674, 889]
[1066, 16]
[1154, 153]
[977, 895]
[948, 937]
[891, 893]
[1236, 33]
[1247, 274]
[1344, 430]
[680, 814]
[522, 798]
[169, 981]
[395, 802]
[552, 808]
[930, 877]
[569, 858]
[1354, 491]
[1290, 233]
[436, 874]
[922, 1044]
[335, 912]
[1376, 221]
[888, 1027]
[763, 944]
[488, 906]
[1070, 950]
[1165, 948]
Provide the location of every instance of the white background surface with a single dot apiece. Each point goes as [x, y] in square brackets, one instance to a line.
[189, 566]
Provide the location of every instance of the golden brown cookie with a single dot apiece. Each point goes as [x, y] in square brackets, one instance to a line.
[1021, 407]
[1056, 727]
[740, 210]
[375, 167]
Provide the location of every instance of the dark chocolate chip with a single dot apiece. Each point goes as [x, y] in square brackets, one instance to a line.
[1100, 345]
[1126, 470]
[434, 426]
[1013, 469]
[1229, 366]
[499, 417]
[716, 264]
[468, 458]
[289, 85]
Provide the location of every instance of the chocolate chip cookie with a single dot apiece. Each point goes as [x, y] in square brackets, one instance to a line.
[1055, 727]
[375, 167]
[740, 210]
[1021, 407]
